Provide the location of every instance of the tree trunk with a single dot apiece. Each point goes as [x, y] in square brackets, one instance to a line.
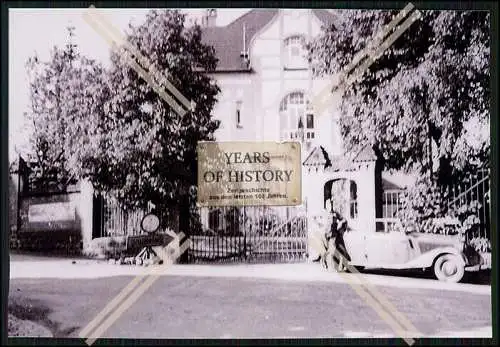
[429, 139]
[425, 107]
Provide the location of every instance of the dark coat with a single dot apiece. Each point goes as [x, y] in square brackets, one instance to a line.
[336, 235]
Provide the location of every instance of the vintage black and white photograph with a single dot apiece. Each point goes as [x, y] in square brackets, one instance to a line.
[346, 193]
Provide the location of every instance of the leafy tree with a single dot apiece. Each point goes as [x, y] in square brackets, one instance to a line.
[424, 105]
[140, 149]
[62, 95]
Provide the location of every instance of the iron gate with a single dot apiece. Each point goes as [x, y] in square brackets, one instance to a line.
[250, 234]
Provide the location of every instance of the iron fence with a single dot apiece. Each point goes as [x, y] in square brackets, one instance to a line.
[474, 192]
[252, 234]
[114, 220]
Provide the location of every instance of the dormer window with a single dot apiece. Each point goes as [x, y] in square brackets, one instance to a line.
[295, 53]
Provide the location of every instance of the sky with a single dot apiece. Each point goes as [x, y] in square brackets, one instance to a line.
[38, 30]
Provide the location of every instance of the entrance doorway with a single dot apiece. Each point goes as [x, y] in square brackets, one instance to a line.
[342, 195]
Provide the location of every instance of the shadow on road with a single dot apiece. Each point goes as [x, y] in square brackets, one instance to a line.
[480, 277]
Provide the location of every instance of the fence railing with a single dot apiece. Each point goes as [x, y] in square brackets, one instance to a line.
[475, 188]
[251, 233]
[118, 221]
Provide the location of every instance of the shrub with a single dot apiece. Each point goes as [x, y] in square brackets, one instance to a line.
[425, 207]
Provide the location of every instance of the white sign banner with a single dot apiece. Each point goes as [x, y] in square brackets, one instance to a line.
[51, 212]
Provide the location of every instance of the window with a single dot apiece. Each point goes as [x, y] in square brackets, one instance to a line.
[310, 121]
[295, 54]
[295, 123]
[238, 114]
[391, 203]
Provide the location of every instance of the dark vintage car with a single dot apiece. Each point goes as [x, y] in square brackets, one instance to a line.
[391, 247]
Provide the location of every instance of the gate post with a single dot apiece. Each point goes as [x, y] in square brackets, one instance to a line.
[244, 233]
[86, 211]
[184, 225]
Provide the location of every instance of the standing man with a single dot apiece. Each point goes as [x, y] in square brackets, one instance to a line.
[337, 251]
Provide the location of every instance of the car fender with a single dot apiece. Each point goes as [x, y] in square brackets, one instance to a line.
[427, 259]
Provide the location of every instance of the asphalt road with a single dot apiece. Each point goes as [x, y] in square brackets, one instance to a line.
[208, 307]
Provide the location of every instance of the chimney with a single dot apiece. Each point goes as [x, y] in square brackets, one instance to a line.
[210, 17]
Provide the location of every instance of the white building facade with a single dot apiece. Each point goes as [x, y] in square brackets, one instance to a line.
[266, 88]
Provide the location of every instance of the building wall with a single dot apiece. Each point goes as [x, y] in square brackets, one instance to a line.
[262, 90]
[364, 179]
[261, 93]
[235, 87]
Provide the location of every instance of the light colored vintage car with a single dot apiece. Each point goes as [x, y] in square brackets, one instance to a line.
[391, 247]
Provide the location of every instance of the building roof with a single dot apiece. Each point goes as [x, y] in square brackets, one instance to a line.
[397, 180]
[365, 154]
[228, 40]
[325, 16]
[319, 157]
[388, 185]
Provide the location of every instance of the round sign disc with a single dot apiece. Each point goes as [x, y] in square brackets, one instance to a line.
[150, 223]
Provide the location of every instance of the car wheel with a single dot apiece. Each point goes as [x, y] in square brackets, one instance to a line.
[449, 268]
